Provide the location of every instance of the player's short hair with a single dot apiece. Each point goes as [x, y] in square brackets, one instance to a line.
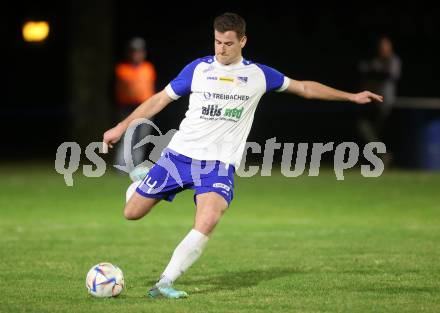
[230, 22]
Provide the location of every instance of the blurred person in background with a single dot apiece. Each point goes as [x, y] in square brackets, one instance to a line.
[135, 80]
[380, 75]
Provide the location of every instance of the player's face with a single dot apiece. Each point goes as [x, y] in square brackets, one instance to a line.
[228, 47]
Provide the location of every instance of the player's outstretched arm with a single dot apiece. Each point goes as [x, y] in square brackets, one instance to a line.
[147, 109]
[315, 90]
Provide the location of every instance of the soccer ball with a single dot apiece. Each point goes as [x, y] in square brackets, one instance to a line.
[105, 280]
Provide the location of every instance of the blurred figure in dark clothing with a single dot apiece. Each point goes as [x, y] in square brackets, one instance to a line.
[380, 75]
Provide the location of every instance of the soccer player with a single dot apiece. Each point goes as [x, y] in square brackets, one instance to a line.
[224, 92]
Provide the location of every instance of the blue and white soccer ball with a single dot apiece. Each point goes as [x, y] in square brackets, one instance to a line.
[105, 280]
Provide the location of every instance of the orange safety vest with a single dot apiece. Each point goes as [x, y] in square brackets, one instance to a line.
[134, 83]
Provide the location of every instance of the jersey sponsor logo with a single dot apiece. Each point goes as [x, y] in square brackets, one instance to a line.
[211, 110]
[243, 79]
[235, 113]
[220, 96]
[215, 111]
[226, 79]
[223, 186]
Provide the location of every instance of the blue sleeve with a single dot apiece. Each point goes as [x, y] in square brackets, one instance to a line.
[274, 79]
[181, 85]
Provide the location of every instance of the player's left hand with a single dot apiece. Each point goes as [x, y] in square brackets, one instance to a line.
[366, 97]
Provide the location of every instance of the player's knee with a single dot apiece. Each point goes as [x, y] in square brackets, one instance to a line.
[211, 222]
[130, 214]
[137, 207]
[207, 226]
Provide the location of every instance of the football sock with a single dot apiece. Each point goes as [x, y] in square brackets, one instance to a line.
[185, 254]
[131, 190]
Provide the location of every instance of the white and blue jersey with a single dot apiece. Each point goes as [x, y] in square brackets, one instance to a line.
[222, 103]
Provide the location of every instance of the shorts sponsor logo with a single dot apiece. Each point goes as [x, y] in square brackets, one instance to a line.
[223, 186]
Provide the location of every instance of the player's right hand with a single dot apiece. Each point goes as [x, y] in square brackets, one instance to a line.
[112, 135]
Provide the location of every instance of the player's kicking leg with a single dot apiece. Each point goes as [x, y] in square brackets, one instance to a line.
[210, 208]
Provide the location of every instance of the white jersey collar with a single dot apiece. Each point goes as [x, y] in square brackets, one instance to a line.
[230, 66]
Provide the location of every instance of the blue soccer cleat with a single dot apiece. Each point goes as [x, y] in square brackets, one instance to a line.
[167, 292]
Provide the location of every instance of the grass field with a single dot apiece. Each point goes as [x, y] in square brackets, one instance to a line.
[308, 244]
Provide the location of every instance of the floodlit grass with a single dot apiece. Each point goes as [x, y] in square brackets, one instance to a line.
[307, 244]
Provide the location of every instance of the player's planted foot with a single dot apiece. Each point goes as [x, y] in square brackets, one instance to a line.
[167, 292]
[153, 292]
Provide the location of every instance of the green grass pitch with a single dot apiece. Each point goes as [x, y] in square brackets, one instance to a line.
[307, 244]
